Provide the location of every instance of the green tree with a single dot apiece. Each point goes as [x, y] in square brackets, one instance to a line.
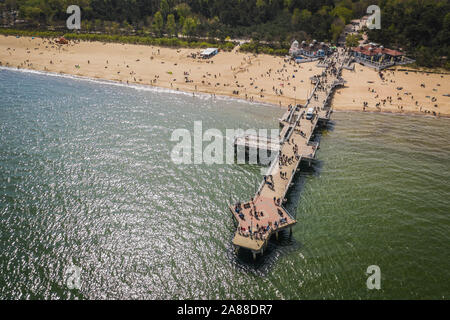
[158, 23]
[32, 13]
[288, 4]
[301, 18]
[324, 11]
[114, 27]
[344, 13]
[260, 3]
[183, 10]
[305, 16]
[352, 40]
[295, 20]
[336, 29]
[171, 25]
[128, 28]
[164, 8]
[98, 24]
[189, 27]
[86, 25]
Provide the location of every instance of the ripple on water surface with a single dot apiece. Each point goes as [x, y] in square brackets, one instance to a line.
[86, 178]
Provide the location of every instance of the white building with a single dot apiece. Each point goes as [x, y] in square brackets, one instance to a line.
[209, 52]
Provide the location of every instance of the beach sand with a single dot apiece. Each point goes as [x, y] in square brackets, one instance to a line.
[260, 78]
[403, 91]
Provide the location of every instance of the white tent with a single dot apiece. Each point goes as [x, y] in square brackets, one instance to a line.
[209, 52]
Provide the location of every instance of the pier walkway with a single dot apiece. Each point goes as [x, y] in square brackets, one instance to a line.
[264, 214]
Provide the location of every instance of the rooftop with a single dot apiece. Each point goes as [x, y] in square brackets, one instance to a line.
[208, 51]
[372, 50]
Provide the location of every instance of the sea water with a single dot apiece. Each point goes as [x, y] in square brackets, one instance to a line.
[88, 191]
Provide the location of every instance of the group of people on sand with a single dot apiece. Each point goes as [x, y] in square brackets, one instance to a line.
[388, 100]
[282, 77]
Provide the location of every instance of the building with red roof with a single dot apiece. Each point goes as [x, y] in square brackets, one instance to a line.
[378, 56]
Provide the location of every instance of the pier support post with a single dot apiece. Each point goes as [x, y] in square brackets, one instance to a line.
[290, 232]
[254, 255]
[276, 235]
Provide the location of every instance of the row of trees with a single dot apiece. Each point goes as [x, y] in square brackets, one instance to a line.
[418, 26]
[270, 20]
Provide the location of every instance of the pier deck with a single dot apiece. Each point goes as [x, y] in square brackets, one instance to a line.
[254, 230]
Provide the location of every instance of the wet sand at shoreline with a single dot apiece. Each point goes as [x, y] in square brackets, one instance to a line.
[259, 78]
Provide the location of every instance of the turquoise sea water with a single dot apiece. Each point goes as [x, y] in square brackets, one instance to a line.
[86, 180]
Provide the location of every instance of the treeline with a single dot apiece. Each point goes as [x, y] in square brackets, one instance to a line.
[164, 42]
[420, 27]
[268, 20]
[272, 49]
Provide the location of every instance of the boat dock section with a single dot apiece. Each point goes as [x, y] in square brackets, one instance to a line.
[264, 215]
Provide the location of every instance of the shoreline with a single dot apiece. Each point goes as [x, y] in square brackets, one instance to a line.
[262, 79]
[200, 95]
[389, 113]
[137, 86]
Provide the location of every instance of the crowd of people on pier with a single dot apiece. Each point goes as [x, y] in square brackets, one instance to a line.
[288, 156]
[269, 181]
[260, 232]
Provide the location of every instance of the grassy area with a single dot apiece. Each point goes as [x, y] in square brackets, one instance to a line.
[29, 33]
[413, 67]
[256, 47]
[164, 42]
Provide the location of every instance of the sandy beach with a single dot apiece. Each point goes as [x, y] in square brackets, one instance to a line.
[259, 78]
[397, 92]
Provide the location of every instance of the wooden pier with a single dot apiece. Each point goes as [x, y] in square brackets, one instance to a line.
[264, 215]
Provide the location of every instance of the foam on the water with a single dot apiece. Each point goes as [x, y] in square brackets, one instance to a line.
[140, 87]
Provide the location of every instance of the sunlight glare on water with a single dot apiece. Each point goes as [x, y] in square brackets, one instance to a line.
[86, 179]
